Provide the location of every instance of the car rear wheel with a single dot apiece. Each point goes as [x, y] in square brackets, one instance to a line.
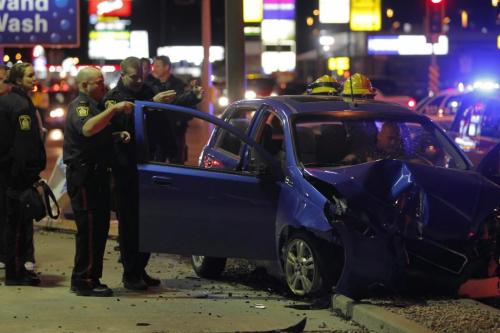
[208, 267]
[306, 271]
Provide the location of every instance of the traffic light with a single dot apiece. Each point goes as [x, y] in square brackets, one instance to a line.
[434, 19]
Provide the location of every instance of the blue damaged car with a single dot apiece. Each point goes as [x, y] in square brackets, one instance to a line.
[310, 185]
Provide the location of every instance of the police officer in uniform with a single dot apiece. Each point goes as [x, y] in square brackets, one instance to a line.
[23, 156]
[189, 96]
[87, 151]
[4, 153]
[130, 87]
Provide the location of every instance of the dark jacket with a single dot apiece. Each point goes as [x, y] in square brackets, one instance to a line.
[183, 98]
[125, 152]
[22, 150]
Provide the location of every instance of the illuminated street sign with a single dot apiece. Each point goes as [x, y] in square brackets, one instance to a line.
[51, 23]
[406, 45]
[366, 15]
[252, 11]
[339, 63]
[334, 11]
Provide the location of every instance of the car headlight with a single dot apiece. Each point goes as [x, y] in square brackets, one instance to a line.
[56, 113]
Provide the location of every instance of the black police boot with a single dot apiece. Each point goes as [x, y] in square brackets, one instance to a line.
[24, 278]
[96, 289]
[150, 281]
[134, 283]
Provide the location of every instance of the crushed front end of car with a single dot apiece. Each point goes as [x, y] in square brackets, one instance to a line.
[410, 226]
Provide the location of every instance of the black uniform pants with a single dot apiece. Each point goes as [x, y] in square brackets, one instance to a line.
[17, 242]
[126, 191]
[89, 191]
[3, 214]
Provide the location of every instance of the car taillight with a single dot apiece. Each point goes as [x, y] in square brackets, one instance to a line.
[412, 103]
[210, 162]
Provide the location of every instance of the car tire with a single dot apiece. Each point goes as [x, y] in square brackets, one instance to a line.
[208, 267]
[306, 271]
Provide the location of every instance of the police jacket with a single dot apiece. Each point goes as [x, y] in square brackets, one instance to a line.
[22, 153]
[77, 148]
[125, 152]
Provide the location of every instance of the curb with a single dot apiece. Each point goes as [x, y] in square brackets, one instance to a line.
[374, 317]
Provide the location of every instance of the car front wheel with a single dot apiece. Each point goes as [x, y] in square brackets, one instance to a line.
[304, 265]
[208, 267]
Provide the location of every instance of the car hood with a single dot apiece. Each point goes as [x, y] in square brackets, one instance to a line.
[451, 203]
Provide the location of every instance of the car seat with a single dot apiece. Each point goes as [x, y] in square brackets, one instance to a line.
[306, 145]
[332, 144]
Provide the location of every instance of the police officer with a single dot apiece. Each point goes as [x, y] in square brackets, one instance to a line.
[126, 187]
[163, 80]
[4, 88]
[24, 158]
[87, 150]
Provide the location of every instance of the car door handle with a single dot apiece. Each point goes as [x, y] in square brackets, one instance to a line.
[162, 181]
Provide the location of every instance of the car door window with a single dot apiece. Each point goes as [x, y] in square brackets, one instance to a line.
[241, 119]
[167, 143]
[269, 133]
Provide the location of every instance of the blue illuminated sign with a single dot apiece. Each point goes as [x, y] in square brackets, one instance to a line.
[51, 23]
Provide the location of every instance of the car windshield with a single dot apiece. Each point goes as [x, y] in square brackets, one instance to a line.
[329, 142]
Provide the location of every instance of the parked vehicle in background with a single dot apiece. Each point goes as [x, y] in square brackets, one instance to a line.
[308, 184]
[388, 91]
[476, 128]
[442, 107]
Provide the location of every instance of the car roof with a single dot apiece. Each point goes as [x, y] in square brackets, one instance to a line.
[303, 104]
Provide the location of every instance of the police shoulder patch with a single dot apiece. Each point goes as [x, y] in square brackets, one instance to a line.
[109, 103]
[24, 122]
[82, 110]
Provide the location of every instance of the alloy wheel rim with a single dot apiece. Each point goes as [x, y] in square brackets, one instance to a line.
[300, 268]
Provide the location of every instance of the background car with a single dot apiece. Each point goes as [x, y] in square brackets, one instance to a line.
[476, 129]
[272, 183]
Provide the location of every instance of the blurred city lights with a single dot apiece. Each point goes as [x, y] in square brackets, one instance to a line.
[56, 113]
[6, 58]
[56, 135]
[18, 56]
[389, 12]
[334, 11]
[464, 17]
[326, 40]
[309, 21]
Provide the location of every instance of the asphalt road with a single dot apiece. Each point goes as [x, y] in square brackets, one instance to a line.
[244, 300]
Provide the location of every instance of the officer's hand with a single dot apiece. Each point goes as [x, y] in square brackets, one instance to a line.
[124, 137]
[196, 89]
[165, 96]
[125, 107]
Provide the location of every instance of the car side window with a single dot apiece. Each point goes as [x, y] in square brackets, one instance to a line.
[241, 119]
[174, 138]
[270, 135]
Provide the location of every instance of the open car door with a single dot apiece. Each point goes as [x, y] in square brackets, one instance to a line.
[187, 209]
